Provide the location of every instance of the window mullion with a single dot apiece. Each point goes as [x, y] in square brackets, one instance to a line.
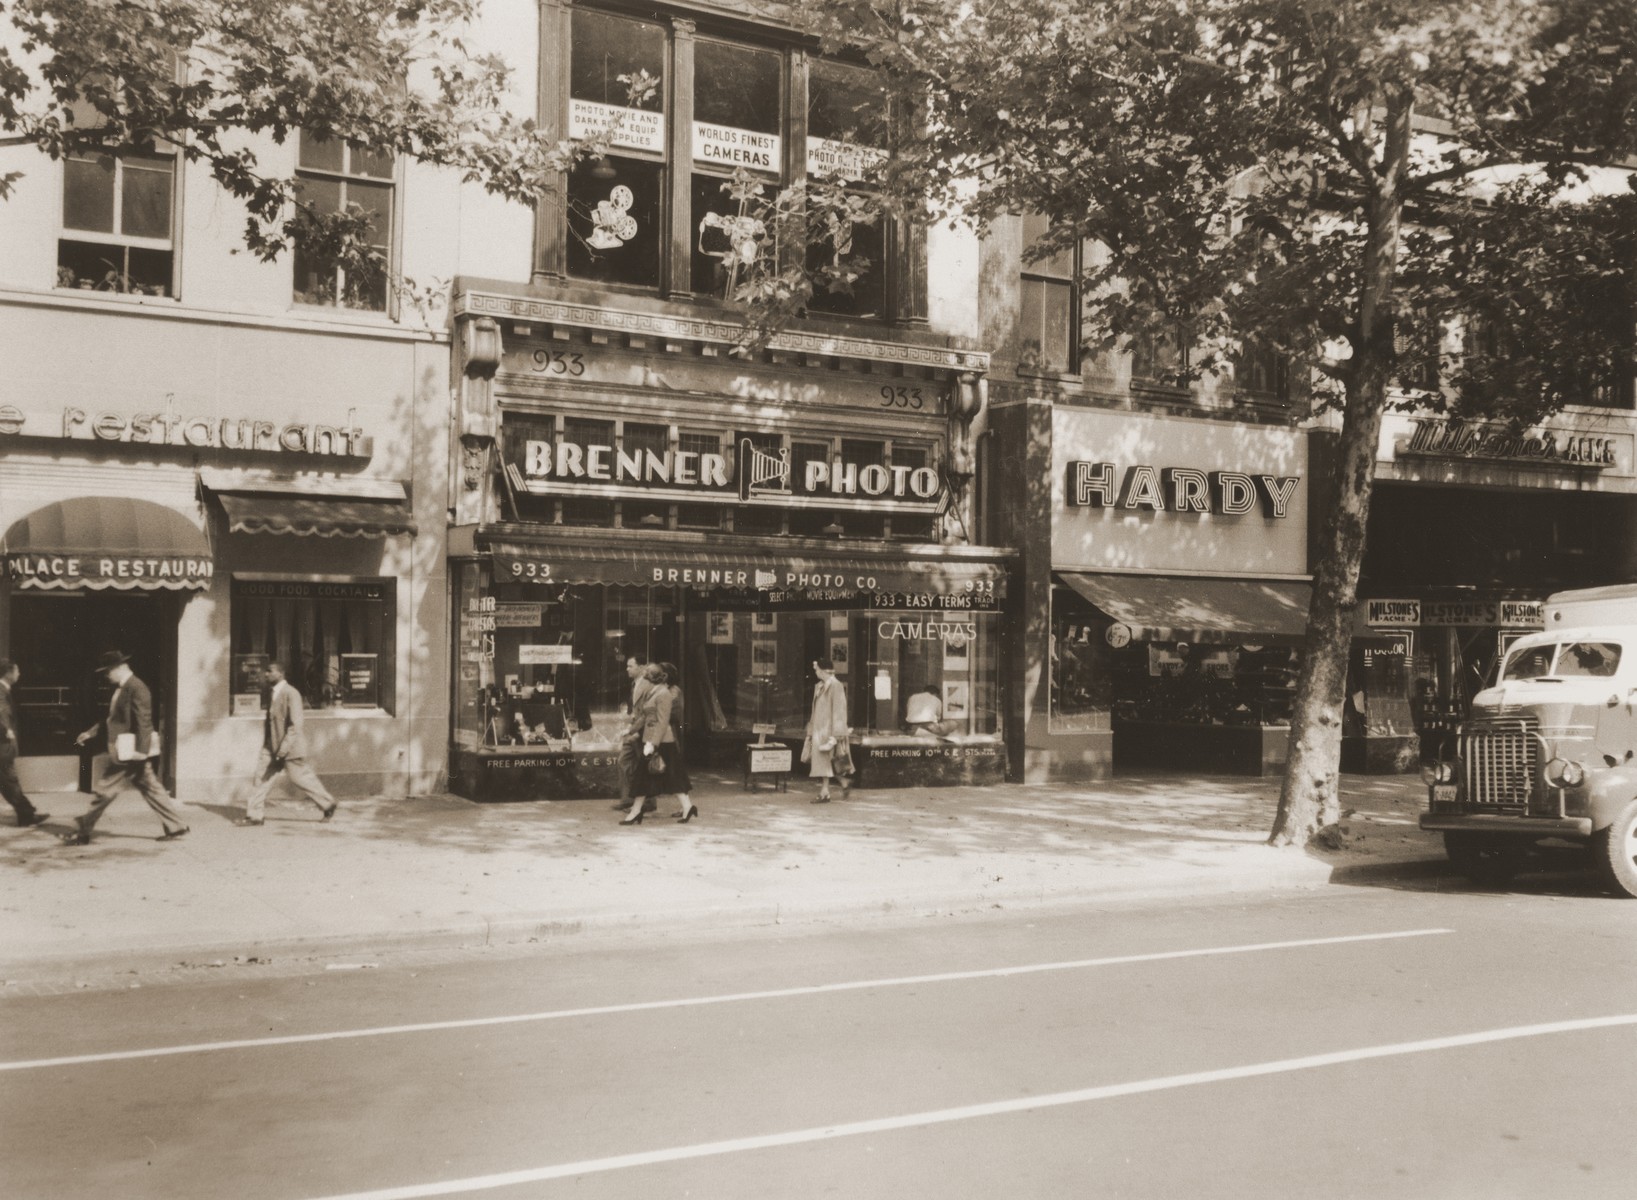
[678, 215]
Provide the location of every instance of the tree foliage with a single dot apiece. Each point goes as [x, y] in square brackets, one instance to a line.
[1321, 177]
[208, 79]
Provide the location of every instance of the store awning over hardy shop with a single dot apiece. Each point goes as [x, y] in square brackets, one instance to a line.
[107, 542]
[351, 508]
[1164, 608]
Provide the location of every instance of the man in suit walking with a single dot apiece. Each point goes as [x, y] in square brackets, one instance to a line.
[129, 730]
[284, 748]
[631, 740]
[10, 787]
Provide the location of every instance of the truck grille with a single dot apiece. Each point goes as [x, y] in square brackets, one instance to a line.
[1501, 758]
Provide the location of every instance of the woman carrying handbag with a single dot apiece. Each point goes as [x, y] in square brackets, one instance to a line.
[827, 748]
[656, 774]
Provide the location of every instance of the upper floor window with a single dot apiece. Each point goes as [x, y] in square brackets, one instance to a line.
[1261, 373]
[847, 140]
[336, 176]
[681, 197]
[738, 125]
[616, 203]
[1049, 308]
[1162, 357]
[117, 223]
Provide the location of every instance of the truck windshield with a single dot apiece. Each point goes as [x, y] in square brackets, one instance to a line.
[1571, 660]
[1598, 659]
[1531, 663]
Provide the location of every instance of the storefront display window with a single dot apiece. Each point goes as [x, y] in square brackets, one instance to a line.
[334, 639]
[547, 667]
[920, 674]
[1099, 672]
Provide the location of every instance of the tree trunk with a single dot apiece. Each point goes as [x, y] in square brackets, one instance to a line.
[1309, 800]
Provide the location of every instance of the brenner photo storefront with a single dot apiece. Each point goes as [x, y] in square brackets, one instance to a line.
[686, 510]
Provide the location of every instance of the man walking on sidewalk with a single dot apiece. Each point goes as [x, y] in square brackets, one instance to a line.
[10, 786]
[284, 748]
[129, 730]
[631, 739]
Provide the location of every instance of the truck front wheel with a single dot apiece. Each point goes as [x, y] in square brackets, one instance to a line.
[1485, 858]
[1614, 850]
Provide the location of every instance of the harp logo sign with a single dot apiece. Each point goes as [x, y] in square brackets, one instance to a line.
[1180, 490]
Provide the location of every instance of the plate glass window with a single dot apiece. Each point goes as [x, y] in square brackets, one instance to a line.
[738, 127]
[847, 140]
[615, 208]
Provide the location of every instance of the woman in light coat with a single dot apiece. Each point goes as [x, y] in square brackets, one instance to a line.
[827, 748]
[652, 720]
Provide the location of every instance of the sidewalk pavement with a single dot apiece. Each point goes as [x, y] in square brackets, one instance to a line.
[437, 871]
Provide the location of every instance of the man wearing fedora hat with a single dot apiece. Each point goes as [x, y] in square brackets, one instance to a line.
[129, 729]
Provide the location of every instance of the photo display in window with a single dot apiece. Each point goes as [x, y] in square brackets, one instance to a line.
[614, 221]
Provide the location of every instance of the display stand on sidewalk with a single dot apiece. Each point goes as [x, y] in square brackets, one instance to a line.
[769, 759]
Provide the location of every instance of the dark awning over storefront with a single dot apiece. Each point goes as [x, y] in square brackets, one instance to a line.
[1161, 608]
[710, 569]
[311, 516]
[359, 508]
[103, 542]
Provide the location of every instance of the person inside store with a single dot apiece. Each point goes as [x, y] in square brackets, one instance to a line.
[827, 749]
[631, 742]
[924, 713]
[658, 764]
[679, 760]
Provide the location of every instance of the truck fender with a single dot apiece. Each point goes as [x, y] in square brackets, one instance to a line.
[1608, 791]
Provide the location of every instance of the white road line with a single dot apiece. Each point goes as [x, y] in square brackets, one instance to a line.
[695, 1001]
[478, 1183]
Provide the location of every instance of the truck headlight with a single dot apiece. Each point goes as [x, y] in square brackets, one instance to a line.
[1562, 772]
[1440, 772]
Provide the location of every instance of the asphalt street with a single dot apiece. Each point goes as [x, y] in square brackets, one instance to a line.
[1426, 1042]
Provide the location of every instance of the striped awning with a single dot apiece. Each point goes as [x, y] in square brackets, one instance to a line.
[107, 542]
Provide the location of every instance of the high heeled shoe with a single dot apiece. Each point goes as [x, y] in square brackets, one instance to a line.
[693, 811]
[636, 820]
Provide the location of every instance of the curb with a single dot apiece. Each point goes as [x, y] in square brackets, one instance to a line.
[1301, 873]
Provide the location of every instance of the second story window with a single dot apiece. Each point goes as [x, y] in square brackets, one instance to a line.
[847, 139]
[1161, 358]
[1049, 310]
[334, 176]
[616, 203]
[117, 224]
[738, 124]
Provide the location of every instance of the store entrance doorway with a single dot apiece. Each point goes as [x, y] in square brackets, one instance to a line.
[56, 640]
